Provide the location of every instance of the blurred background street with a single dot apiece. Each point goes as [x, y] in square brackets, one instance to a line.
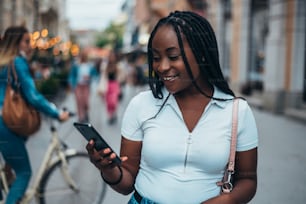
[262, 47]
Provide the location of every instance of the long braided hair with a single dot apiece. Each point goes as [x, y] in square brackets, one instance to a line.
[202, 41]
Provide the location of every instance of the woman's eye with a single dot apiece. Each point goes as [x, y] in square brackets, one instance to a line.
[156, 59]
[173, 58]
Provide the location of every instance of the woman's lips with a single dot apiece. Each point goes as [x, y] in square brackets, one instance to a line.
[169, 78]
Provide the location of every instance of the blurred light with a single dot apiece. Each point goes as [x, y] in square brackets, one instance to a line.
[57, 38]
[44, 33]
[46, 45]
[68, 44]
[35, 35]
[40, 43]
[75, 50]
[33, 43]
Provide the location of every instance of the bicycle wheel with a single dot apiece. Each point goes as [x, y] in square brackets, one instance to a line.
[54, 189]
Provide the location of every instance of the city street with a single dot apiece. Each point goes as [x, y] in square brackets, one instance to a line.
[258, 46]
[282, 145]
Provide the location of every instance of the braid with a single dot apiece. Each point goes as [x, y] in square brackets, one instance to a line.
[180, 25]
[154, 81]
[190, 26]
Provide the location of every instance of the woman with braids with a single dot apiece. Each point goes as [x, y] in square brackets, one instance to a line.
[15, 49]
[176, 138]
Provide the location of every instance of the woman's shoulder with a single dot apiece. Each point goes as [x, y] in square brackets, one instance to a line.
[20, 61]
[227, 99]
[143, 97]
[242, 103]
[20, 58]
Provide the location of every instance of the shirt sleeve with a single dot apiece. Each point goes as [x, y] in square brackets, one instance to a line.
[247, 129]
[29, 91]
[131, 128]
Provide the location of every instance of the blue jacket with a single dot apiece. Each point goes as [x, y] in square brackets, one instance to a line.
[74, 72]
[28, 89]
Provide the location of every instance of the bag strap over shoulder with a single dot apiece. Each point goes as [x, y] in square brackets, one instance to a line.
[10, 67]
[226, 183]
[231, 162]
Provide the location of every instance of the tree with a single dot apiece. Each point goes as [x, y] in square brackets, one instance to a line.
[112, 36]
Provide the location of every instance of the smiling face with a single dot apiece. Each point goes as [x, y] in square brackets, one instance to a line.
[169, 65]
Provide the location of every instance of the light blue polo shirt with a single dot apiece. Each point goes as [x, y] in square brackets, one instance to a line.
[178, 166]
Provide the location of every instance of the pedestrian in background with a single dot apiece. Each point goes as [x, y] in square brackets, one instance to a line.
[140, 68]
[136, 72]
[15, 50]
[176, 138]
[82, 73]
[110, 87]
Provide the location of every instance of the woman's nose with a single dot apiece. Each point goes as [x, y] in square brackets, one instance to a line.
[164, 65]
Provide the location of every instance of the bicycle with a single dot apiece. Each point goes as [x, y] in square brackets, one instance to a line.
[65, 175]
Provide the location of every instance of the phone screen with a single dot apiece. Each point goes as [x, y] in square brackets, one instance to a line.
[90, 133]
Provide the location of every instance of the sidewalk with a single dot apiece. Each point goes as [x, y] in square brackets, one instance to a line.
[298, 114]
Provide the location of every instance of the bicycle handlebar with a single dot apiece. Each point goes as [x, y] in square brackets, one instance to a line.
[71, 114]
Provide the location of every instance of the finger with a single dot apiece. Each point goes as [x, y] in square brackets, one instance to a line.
[90, 147]
[98, 160]
[124, 158]
[109, 157]
[107, 151]
[102, 163]
[95, 160]
[110, 160]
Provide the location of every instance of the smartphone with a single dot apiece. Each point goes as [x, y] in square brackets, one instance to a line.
[90, 133]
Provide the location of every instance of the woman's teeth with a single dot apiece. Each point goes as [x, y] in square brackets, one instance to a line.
[169, 78]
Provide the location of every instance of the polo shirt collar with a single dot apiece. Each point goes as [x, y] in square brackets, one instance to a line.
[159, 102]
[217, 94]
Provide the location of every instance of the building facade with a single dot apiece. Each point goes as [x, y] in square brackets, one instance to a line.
[261, 43]
[142, 15]
[36, 15]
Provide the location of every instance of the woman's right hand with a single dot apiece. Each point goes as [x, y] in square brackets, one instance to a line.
[120, 177]
[102, 159]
